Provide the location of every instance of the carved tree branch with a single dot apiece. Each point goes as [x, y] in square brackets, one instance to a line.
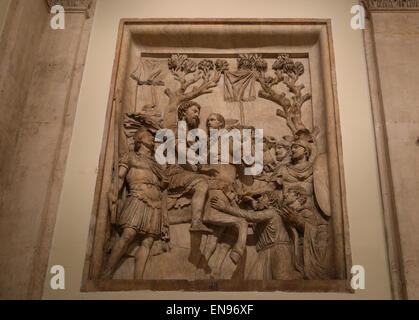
[199, 91]
[305, 98]
[281, 113]
[291, 84]
[204, 87]
[190, 82]
[288, 72]
[210, 79]
[269, 94]
[168, 92]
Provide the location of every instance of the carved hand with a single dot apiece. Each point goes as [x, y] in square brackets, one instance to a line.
[292, 217]
[219, 204]
[210, 172]
[288, 214]
[112, 199]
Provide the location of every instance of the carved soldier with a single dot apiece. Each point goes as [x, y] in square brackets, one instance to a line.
[141, 215]
[283, 151]
[300, 170]
[309, 228]
[301, 212]
[269, 161]
[262, 182]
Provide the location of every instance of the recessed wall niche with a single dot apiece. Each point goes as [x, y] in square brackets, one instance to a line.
[209, 227]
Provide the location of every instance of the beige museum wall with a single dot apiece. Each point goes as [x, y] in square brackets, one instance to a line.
[362, 185]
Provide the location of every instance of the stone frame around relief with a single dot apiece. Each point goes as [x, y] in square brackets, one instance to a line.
[310, 38]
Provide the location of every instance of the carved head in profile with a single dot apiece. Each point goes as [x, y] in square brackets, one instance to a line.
[216, 121]
[143, 137]
[189, 111]
[257, 201]
[269, 142]
[301, 150]
[283, 148]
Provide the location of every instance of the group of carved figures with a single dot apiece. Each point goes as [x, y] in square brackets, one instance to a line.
[289, 225]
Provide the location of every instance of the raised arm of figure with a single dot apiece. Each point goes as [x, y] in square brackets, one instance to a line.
[249, 215]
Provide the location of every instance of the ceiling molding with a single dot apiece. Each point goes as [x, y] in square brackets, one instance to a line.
[71, 6]
[391, 5]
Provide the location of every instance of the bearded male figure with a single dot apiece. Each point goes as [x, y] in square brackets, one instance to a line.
[187, 178]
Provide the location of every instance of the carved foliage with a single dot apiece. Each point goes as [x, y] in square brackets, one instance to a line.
[288, 72]
[205, 74]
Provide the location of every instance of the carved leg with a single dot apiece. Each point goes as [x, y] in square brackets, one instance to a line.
[200, 192]
[141, 257]
[240, 245]
[211, 244]
[221, 254]
[221, 219]
[118, 251]
[207, 249]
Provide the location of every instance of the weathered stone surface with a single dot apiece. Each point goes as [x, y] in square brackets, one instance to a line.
[395, 36]
[40, 84]
[18, 57]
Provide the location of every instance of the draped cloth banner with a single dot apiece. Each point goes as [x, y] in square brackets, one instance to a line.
[149, 74]
[239, 86]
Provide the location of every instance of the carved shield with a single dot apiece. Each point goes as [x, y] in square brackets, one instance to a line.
[321, 184]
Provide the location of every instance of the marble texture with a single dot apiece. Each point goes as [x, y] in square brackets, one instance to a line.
[396, 39]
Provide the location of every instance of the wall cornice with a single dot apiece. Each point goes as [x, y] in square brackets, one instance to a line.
[391, 5]
[71, 6]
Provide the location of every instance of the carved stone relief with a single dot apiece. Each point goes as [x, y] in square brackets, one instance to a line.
[211, 225]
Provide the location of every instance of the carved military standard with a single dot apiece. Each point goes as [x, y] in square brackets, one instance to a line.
[181, 204]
